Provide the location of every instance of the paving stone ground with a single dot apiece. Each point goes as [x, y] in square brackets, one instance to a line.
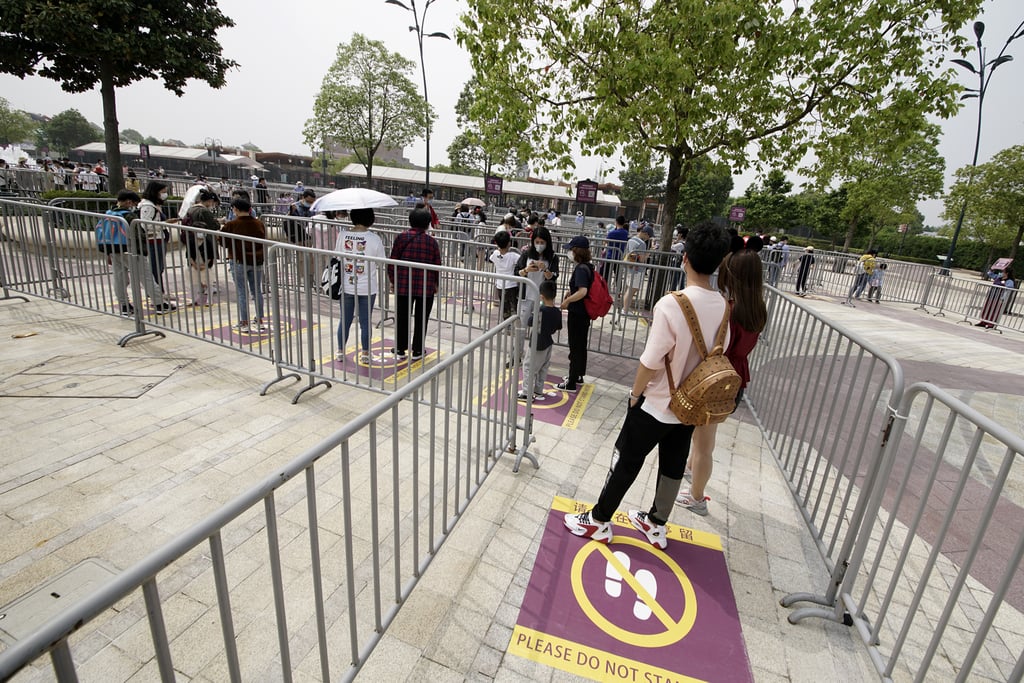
[114, 478]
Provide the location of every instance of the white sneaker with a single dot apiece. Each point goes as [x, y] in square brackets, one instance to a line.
[582, 524]
[687, 500]
[655, 533]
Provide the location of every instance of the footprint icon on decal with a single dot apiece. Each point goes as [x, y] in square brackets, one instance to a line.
[646, 579]
[612, 580]
[613, 585]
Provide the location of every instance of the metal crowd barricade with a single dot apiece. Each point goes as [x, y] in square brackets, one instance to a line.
[981, 303]
[51, 253]
[307, 340]
[341, 535]
[922, 536]
[824, 399]
[934, 585]
[833, 274]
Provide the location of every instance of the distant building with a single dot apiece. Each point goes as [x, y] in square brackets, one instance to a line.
[533, 194]
[196, 161]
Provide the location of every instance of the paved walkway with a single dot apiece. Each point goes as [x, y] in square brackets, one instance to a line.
[86, 474]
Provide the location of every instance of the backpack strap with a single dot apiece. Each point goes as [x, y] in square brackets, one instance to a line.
[698, 337]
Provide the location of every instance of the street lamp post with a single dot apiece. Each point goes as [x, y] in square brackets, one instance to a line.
[418, 28]
[984, 73]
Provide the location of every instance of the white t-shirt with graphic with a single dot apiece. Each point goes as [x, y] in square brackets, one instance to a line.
[359, 276]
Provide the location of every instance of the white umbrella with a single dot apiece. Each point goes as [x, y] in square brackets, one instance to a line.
[473, 201]
[191, 195]
[352, 198]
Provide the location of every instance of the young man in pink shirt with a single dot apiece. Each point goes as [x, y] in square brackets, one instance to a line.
[649, 420]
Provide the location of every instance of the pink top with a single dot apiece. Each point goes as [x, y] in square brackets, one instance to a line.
[670, 336]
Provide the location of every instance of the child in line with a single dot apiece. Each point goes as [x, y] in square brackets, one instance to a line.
[550, 322]
[875, 283]
[505, 259]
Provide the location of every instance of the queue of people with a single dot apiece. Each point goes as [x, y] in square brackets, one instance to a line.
[685, 451]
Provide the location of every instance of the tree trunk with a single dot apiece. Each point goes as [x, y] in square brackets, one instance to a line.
[1016, 243]
[111, 135]
[849, 234]
[677, 172]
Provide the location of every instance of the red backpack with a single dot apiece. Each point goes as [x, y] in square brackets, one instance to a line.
[598, 300]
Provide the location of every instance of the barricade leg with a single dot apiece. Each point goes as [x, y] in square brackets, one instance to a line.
[276, 309]
[57, 288]
[138, 268]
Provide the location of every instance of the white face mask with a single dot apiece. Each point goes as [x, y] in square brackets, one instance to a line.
[163, 196]
[540, 247]
[572, 256]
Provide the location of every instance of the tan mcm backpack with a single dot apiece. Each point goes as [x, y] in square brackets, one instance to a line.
[708, 394]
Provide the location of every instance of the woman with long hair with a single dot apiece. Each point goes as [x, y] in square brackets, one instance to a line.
[201, 248]
[537, 263]
[359, 281]
[578, 323]
[740, 279]
[152, 208]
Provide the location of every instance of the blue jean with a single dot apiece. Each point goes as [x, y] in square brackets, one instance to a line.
[858, 285]
[348, 312]
[253, 277]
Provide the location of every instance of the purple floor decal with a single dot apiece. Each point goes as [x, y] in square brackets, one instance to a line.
[627, 611]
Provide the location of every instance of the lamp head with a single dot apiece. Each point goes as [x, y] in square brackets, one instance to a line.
[979, 29]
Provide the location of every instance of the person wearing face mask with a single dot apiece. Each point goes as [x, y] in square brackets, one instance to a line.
[578, 324]
[201, 248]
[538, 263]
[124, 249]
[153, 209]
[295, 231]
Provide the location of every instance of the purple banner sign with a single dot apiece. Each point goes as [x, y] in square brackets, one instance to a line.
[586, 191]
[492, 184]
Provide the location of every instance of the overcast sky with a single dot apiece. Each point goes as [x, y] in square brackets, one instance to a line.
[284, 50]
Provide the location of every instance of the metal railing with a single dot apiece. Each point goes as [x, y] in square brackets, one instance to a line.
[981, 303]
[51, 252]
[935, 587]
[921, 535]
[909, 528]
[338, 537]
[824, 399]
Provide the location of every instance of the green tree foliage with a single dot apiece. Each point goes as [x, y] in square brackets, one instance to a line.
[15, 126]
[886, 167]
[471, 152]
[821, 212]
[130, 136]
[643, 178]
[465, 155]
[705, 193]
[697, 77]
[67, 130]
[770, 206]
[113, 43]
[995, 201]
[367, 101]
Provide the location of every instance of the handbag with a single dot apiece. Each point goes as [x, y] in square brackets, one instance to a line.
[330, 279]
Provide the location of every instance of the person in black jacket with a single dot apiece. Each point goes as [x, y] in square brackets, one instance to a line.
[578, 323]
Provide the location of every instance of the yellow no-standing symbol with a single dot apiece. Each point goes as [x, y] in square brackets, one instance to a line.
[674, 630]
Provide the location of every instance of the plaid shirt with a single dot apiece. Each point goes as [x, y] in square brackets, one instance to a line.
[417, 246]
